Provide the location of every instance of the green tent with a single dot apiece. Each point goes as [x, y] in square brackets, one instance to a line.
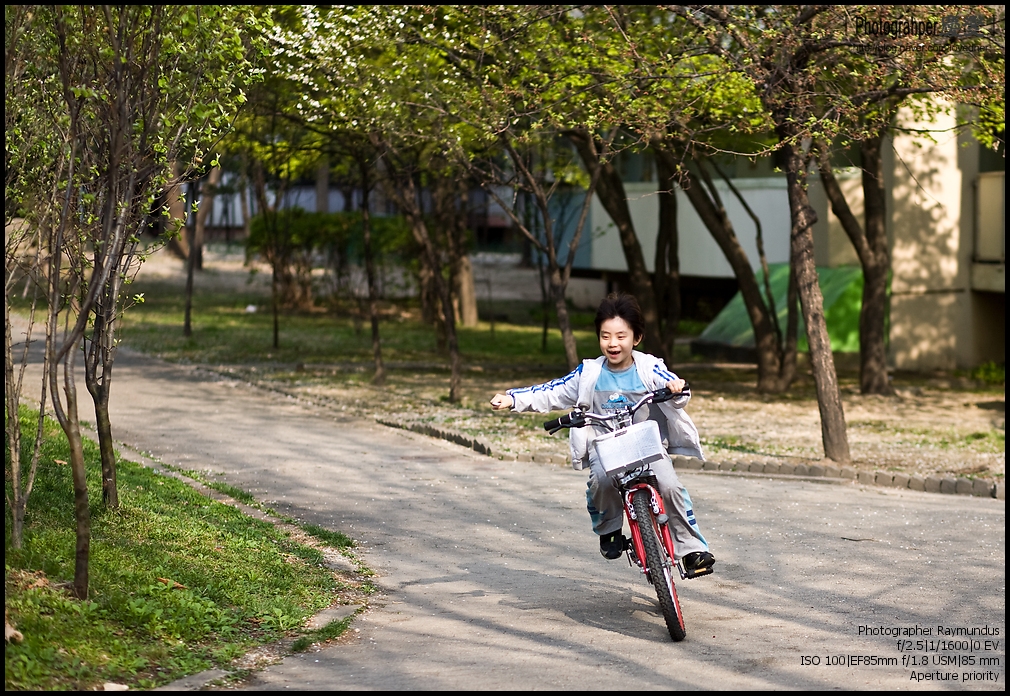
[730, 333]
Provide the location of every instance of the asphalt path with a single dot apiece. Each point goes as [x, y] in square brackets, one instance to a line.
[492, 579]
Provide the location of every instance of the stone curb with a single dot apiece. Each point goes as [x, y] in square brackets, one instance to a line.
[460, 439]
[980, 488]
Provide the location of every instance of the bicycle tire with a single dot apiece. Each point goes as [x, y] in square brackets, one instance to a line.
[660, 565]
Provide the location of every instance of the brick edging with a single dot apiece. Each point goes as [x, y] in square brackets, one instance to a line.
[472, 443]
[982, 488]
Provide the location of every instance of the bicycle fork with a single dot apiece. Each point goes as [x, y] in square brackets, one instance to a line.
[636, 552]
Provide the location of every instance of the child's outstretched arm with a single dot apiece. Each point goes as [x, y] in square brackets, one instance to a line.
[555, 395]
[501, 402]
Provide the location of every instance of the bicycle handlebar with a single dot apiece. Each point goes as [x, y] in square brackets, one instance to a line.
[575, 419]
[579, 419]
[664, 394]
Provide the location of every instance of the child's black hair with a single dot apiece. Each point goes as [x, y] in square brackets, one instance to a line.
[619, 305]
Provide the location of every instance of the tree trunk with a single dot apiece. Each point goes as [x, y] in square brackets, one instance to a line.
[400, 187]
[564, 321]
[803, 217]
[446, 210]
[450, 204]
[443, 286]
[667, 266]
[245, 193]
[82, 512]
[208, 190]
[103, 423]
[178, 244]
[100, 352]
[873, 332]
[194, 259]
[715, 219]
[611, 193]
[548, 245]
[545, 301]
[873, 314]
[874, 258]
[466, 291]
[455, 374]
[187, 322]
[276, 262]
[21, 482]
[428, 296]
[97, 377]
[275, 304]
[19, 508]
[70, 422]
[379, 378]
[787, 368]
[786, 346]
[17, 500]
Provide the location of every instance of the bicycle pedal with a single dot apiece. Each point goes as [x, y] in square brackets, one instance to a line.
[695, 573]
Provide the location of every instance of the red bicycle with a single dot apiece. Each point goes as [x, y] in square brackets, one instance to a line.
[627, 452]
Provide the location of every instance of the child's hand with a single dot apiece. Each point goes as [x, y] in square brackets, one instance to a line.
[676, 385]
[501, 402]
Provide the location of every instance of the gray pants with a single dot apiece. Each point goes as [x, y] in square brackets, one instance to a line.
[606, 508]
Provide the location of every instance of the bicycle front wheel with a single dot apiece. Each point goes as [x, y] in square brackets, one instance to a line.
[660, 565]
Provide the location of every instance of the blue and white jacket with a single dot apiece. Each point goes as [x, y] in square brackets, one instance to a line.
[575, 390]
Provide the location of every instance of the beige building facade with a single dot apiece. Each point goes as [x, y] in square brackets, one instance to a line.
[948, 240]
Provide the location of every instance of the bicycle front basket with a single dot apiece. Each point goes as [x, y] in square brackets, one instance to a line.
[630, 448]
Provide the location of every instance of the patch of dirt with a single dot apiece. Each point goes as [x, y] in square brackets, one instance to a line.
[929, 432]
[224, 268]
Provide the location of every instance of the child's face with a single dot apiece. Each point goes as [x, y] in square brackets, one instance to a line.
[617, 340]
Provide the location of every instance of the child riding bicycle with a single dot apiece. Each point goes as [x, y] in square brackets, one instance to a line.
[622, 376]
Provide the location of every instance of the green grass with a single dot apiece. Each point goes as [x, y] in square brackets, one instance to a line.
[225, 334]
[990, 373]
[337, 540]
[328, 632]
[944, 438]
[178, 582]
[717, 447]
[232, 492]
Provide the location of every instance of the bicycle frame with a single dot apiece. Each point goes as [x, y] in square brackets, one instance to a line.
[659, 511]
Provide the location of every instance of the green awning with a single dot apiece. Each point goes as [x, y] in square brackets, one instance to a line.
[842, 288]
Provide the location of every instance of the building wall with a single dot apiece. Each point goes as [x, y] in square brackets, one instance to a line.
[699, 254]
[832, 247]
[938, 321]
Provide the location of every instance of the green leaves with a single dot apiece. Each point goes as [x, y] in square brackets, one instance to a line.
[177, 71]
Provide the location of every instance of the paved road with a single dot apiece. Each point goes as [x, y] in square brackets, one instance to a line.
[493, 580]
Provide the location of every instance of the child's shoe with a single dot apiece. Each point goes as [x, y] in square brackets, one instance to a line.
[612, 545]
[697, 564]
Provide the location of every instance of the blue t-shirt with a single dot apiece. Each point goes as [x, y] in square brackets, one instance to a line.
[616, 390]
